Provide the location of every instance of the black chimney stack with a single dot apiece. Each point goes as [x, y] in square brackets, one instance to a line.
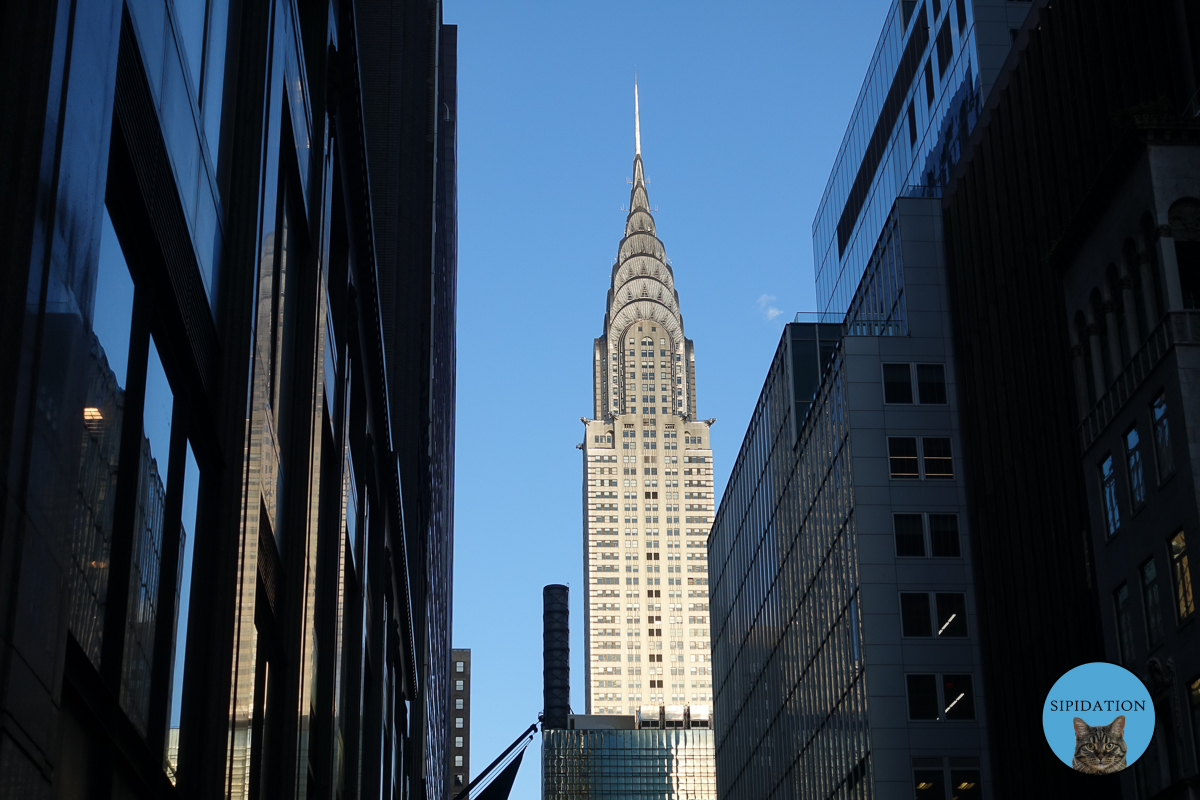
[556, 657]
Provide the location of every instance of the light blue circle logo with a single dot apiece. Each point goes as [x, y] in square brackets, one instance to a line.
[1098, 718]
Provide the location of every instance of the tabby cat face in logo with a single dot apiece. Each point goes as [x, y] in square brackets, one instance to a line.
[1100, 750]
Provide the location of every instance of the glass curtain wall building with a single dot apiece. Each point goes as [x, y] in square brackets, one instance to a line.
[207, 430]
[934, 65]
[846, 653]
[627, 764]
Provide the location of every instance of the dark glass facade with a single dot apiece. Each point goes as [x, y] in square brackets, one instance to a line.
[933, 67]
[628, 764]
[228, 330]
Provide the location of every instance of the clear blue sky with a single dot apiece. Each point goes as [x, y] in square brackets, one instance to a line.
[743, 111]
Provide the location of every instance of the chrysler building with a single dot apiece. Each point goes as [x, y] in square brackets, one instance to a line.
[648, 489]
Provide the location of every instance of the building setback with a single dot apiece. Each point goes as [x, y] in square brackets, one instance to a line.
[846, 643]
[226, 429]
[647, 488]
[1070, 228]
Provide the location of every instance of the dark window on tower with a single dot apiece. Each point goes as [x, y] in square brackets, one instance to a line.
[951, 614]
[902, 457]
[910, 537]
[912, 125]
[1162, 438]
[907, 7]
[931, 384]
[1150, 603]
[1133, 462]
[960, 6]
[928, 86]
[897, 383]
[1187, 256]
[943, 535]
[922, 696]
[938, 461]
[1124, 623]
[959, 697]
[1194, 703]
[1108, 495]
[945, 46]
[929, 784]
[1181, 577]
[914, 614]
[937, 8]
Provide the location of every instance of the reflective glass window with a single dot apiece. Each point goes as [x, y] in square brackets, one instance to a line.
[897, 383]
[959, 696]
[951, 614]
[966, 784]
[1124, 612]
[914, 614]
[1162, 438]
[910, 536]
[931, 383]
[1151, 607]
[1181, 577]
[938, 460]
[1133, 463]
[91, 343]
[902, 457]
[929, 784]
[943, 535]
[922, 696]
[1108, 495]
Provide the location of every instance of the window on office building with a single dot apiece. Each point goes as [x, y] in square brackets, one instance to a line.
[1193, 689]
[958, 696]
[914, 614]
[951, 610]
[960, 6]
[922, 697]
[458, 761]
[1108, 495]
[902, 457]
[943, 535]
[458, 666]
[1151, 606]
[938, 461]
[458, 686]
[929, 92]
[931, 384]
[966, 783]
[1133, 463]
[458, 741]
[912, 125]
[1181, 577]
[458, 722]
[1121, 602]
[910, 535]
[945, 46]
[897, 383]
[1163, 457]
[929, 784]
[458, 703]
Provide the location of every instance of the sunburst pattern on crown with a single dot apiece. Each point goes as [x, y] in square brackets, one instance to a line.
[642, 290]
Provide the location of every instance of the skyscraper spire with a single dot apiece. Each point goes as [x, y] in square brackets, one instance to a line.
[637, 124]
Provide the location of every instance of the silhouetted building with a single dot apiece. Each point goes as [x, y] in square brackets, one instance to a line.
[1071, 234]
[227, 300]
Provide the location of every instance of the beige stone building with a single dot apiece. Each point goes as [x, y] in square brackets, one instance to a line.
[648, 490]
